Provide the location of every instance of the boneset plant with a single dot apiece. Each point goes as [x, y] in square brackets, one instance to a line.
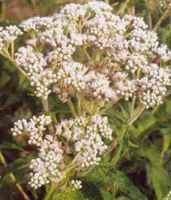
[92, 61]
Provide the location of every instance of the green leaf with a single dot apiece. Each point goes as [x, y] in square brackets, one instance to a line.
[106, 195]
[145, 123]
[166, 139]
[112, 182]
[124, 185]
[11, 146]
[4, 79]
[5, 181]
[19, 168]
[68, 194]
[157, 174]
[123, 198]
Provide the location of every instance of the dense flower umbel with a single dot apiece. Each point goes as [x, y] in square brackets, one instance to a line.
[86, 138]
[34, 63]
[46, 167]
[87, 135]
[82, 48]
[34, 128]
[8, 35]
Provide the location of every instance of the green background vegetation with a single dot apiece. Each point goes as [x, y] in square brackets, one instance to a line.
[142, 168]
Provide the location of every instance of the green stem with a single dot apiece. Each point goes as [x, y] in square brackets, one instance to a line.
[79, 103]
[149, 14]
[119, 152]
[86, 53]
[67, 174]
[162, 18]
[106, 1]
[72, 108]
[45, 105]
[12, 50]
[51, 190]
[150, 23]
[3, 9]
[134, 116]
[133, 105]
[6, 54]
[18, 186]
[123, 7]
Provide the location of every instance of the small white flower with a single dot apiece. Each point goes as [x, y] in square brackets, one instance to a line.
[8, 35]
[45, 168]
[77, 184]
[33, 128]
[36, 24]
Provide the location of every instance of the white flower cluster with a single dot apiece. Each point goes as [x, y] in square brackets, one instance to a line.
[34, 128]
[85, 137]
[84, 51]
[154, 87]
[88, 136]
[8, 35]
[74, 77]
[71, 75]
[34, 65]
[150, 88]
[77, 184]
[36, 24]
[83, 47]
[45, 168]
